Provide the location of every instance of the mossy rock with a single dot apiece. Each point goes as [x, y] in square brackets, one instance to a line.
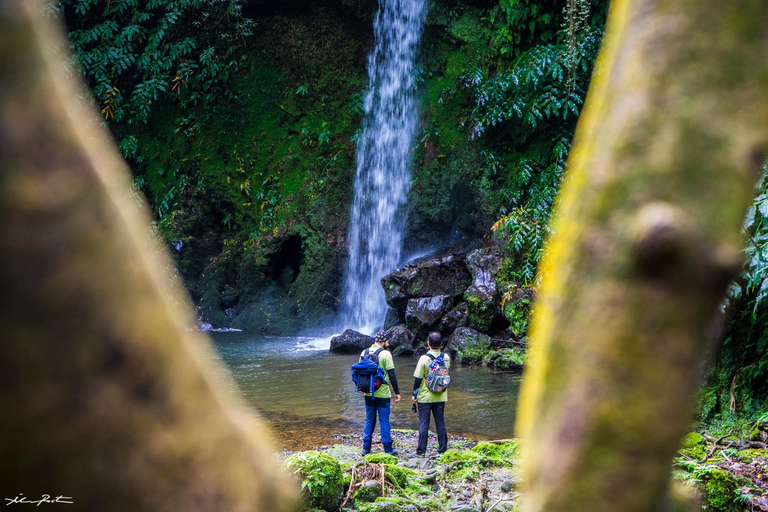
[720, 491]
[481, 310]
[693, 446]
[399, 476]
[381, 458]
[506, 359]
[390, 505]
[518, 314]
[459, 459]
[693, 439]
[368, 492]
[322, 485]
[504, 453]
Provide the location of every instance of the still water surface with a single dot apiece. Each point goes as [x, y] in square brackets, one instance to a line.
[307, 395]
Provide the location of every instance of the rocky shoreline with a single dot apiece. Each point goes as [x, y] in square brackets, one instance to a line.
[470, 477]
[485, 476]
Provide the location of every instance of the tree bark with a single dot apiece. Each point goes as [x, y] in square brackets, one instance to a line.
[106, 390]
[647, 238]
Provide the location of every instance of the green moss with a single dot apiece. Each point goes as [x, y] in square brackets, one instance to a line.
[390, 504]
[506, 359]
[381, 458]
[518, 314]
[693, 439]
[504, 452]
[720, 491]
[693, 446]
[322, 483]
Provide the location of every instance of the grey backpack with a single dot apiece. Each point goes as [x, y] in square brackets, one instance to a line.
[438, 379]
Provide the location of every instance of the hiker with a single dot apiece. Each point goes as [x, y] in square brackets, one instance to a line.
[378, 404]
[429, 401]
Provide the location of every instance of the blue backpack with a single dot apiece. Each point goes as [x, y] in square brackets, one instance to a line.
[367, 375]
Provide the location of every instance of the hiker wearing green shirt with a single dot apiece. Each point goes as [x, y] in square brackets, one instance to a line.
[378, 403]
[429, 402]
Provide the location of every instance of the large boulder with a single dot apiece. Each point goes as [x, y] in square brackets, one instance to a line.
[455, 318]
[401, 340]
[394, 317]
[350, 342]
[482, 295]
[422, 314]
[447, 275]
[468, 345]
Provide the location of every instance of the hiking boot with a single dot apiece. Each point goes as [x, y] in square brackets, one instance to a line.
[395, 453]
[365, 452]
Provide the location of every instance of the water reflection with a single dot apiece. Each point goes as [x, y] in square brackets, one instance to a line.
[307, 395]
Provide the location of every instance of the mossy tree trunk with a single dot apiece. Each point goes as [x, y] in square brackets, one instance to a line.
[647, 239]
[106, 391]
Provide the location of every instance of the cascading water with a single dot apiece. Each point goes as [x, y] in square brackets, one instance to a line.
[383, 162]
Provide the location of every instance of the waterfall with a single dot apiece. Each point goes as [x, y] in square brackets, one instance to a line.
[383, 172]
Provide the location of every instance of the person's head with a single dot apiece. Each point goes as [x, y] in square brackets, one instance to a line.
[381, 339]
[434, 340]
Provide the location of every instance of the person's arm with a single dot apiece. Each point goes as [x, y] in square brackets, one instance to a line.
[416, 386]
[393, 381]
[389, 367]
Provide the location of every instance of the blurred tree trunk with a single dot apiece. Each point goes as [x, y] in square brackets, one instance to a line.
[647, 239]
[106, 391]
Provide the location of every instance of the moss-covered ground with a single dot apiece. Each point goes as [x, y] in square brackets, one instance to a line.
[483, 476]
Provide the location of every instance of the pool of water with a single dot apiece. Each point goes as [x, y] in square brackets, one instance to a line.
[306, 394]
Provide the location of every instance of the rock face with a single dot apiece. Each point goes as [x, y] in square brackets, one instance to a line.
[447, 275]
[464, 296]
[422, 314]
[455, 318]
[394, 317]
[350, 342]
[469, 343]
[401, 340]
[481, 296]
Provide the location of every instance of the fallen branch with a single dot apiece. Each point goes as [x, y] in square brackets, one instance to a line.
[742, 444]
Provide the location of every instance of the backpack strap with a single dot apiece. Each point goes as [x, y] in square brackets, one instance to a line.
[377, 353]
[430, 356]
[365, 354]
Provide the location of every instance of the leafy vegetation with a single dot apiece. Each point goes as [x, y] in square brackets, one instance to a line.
[136, 53]
[737, 383]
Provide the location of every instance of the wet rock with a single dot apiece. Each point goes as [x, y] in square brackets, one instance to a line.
[422, 314]
[369, 491]
[392, 505]
[455, 318]
[350, 342]
[463, 508]
[509, 485]
[447, 275]
[482, 295]
[401, 340]
[393, 318]
[468, 345]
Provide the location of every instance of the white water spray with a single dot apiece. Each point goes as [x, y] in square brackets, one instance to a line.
[383, 162]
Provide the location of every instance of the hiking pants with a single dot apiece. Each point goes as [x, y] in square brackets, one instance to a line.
[437, 409]
[380, 408]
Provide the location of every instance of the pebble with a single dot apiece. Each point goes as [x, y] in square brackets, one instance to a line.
[508, 485]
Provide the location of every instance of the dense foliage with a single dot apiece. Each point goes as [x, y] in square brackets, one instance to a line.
[523, 83]
[135, 53]
[737, 383]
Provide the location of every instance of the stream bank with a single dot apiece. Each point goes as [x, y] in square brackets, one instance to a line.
[484, 476]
